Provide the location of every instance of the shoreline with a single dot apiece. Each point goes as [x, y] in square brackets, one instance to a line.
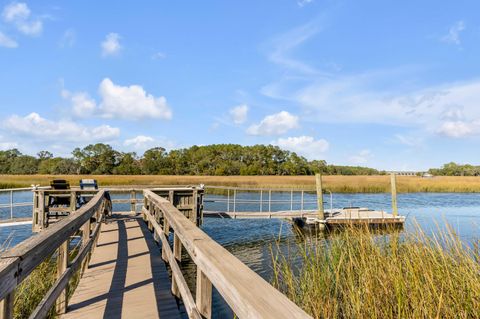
[334, 183]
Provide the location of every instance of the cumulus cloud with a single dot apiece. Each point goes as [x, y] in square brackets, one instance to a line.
[275, 124]
[140, 142]
[239, 114]
[39, 128]
[453, 35]
[306, 146]
[458, 129]
[131, 102]
[7, 42]
[111, 45]
[83, 105]
[19, 14]
[361, 158]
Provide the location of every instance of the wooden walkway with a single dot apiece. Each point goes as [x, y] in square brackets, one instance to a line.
[126, 277]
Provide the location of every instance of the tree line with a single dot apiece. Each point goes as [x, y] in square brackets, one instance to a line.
[219, 159]
[454, 169]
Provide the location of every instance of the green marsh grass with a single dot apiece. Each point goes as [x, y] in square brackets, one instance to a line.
[360, 274]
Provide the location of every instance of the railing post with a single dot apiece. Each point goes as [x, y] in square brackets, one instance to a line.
[86, 230]
[228, 200]
[166, 231]
[261, 200]
[177, 253]
[62, 264]
[291, 200]
[11, 204]
[133, 202]
[321, 212]
[204, 295]
[6, 306]
[269, 200]
[301, 202]
[393, 182]
[234, 199]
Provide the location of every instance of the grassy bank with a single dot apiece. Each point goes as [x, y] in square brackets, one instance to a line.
[359, 276]
[335, 183]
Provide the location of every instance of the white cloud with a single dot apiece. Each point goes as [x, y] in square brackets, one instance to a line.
[302, 3]
[304, 145]
[131, 102]
[36, 127]
[139, 142]
[361, 158]
[68, 38]
[111, 44]
[458, 129]
[453, 35]
[239, 114]
[7, 42]
[19, 14]
[274, 124]
[83, 105]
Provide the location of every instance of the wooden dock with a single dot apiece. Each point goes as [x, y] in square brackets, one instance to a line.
[126, 276]
[123, 269]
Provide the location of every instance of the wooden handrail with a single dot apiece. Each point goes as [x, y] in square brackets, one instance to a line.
[17, 263]
[249, 295]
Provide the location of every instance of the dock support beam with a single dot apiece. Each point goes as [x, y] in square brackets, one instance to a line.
[393, 182]
[321, 211]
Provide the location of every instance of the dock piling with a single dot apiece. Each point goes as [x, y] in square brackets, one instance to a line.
[321, 211]
[393, 182]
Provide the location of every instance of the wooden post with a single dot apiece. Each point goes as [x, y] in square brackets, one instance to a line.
[195, 218]
[86, 229]
[177, 253]
[41, 211]
[321, 211]
[73, 202]
[62, 263]
[6, 306]
[204, 295]
[11, 204]
[393, 182]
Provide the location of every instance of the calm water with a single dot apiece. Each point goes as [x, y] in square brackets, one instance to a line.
[250, 240]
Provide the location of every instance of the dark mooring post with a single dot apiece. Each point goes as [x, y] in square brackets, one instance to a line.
[393, 182]
[321, 212]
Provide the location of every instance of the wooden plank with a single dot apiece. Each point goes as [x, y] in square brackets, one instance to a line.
[249, 295]
[204, 295]
[126, 277]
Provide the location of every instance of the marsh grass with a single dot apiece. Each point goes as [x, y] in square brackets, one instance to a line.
[31, 291]
[358, 274]
[334, 183]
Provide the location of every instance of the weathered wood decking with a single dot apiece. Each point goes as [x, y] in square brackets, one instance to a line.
[126, 277]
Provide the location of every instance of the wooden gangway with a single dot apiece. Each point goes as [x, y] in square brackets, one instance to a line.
[123, 271]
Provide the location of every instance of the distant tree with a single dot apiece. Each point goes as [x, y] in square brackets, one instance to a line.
[129, 165]
[44, 155]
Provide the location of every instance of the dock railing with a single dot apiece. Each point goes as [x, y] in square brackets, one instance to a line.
[264, 200]
[17, 263]
[248, 295]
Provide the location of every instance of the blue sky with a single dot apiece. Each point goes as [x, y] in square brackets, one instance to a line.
[391, 85]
